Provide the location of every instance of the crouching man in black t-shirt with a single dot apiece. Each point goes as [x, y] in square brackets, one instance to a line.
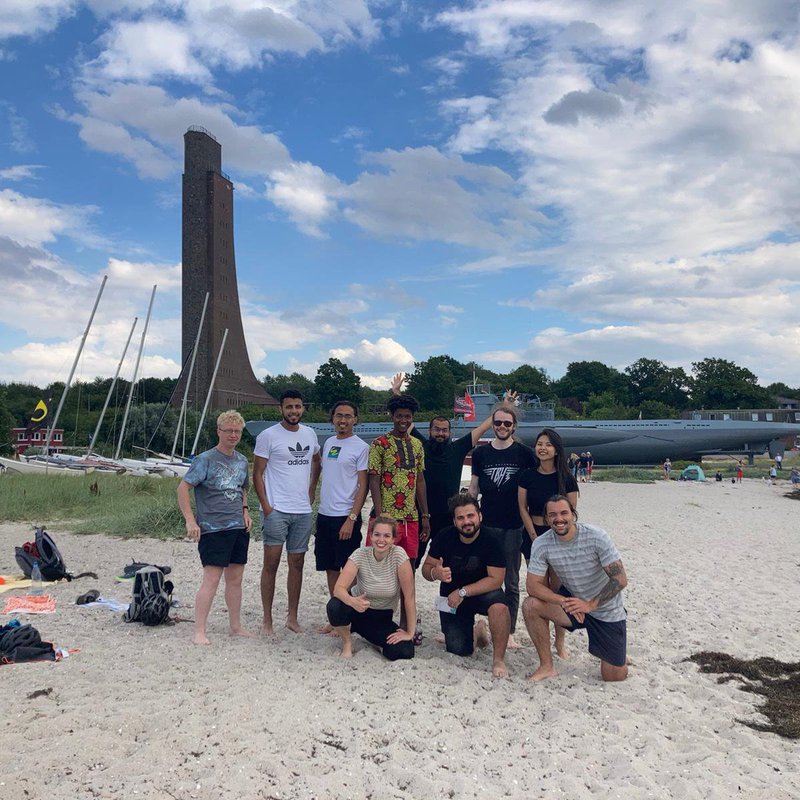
[469, 562]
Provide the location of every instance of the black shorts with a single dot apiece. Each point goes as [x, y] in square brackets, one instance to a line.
[608, 641]
[457, 628]
[331, 552]
[222, 548]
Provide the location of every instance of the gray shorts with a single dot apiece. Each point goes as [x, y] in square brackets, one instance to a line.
[293, 530]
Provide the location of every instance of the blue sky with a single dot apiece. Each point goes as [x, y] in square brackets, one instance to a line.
[513, 182]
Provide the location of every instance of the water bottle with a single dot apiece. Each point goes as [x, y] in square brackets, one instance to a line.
[36, 579]
[418, 636]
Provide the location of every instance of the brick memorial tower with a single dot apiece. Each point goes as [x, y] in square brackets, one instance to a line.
[209, 266]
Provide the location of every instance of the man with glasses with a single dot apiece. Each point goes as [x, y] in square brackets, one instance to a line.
[221, 526]
[282, 461]
[496, 468]
[344, 464]
[444, 459]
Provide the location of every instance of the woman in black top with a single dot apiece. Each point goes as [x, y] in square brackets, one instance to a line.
[536, 487]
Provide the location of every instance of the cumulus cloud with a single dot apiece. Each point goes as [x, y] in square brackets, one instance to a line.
[574, 106]
[33, 221]
[383, 355]
[33, 17]
[20, 172]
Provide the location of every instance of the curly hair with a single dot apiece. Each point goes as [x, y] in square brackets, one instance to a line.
[404, 401]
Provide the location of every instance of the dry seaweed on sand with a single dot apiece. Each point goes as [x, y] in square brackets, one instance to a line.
[776, 681]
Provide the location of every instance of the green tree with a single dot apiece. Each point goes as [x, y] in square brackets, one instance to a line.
[718, 383]
[782, 390]
[7, 422]
[653, 409]
[585, 378]
[336, 381]
[275, 384]
[528, 380]
[432, 383]
[651, 380]
[606, 406]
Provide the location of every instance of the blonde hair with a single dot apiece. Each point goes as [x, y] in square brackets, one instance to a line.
[383, 519]
[230, 417]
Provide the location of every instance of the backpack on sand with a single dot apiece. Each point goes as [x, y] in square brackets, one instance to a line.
[51, 563]
[151, 598]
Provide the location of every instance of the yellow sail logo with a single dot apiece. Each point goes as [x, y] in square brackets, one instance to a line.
[40, 412]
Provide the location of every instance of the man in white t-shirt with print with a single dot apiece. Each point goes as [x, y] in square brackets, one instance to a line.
[344, 465]
[282, 465]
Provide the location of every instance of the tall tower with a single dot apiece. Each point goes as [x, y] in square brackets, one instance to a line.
[209, 266]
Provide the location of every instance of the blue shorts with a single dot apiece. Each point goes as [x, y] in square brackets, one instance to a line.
[608, 641]
[292, 530]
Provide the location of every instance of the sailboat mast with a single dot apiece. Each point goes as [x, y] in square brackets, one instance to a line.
[111, 389]
[182, 416]
[135, 372]
[74, 366]
[210, 390]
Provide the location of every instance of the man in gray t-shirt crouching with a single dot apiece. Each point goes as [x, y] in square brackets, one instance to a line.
[590, 597]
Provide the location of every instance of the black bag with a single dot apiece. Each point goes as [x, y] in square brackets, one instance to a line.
[51, 563]
[23, 643]
[151, 597]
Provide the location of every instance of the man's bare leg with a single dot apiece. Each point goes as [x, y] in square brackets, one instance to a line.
[609, 672]
[480, 634]
[202, 602]
[538, 615]
[294, 584]
[332, 575]
[233, 598]
[347, 641]
[554, 582]
[500, 627]
[272, 558]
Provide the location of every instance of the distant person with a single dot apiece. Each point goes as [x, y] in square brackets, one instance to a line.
[574, 461]
[444, 461]
[794, 476]
[221, 526]
[496, 469]
[536, 486]
[282, 464]
[667, 468]
[381, 573]
[582, 466]
[718, 476]
[779, 461]
[739, 470]
[590, 596]
[344, 465]
[773, 474]
[469, 562]
[589, 466]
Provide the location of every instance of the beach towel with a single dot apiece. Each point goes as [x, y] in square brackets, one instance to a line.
[30, 604]
[107, 603]
[14, 582]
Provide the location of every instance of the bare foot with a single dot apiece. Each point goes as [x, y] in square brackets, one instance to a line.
[561, 650]
[347, 651]
[499, 669]
[294, 625]
[326, 629]
[481, 633]
[242, 632]
[200, 638]
[266, 629]
[513, 644]
[439, 638]
[542, 673]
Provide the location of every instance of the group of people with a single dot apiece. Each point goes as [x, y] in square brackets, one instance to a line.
[527, 508]
[581, 466]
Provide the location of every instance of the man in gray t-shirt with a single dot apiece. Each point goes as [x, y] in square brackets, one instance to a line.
[592, 580]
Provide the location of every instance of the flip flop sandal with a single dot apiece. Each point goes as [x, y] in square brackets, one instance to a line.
[88, 597]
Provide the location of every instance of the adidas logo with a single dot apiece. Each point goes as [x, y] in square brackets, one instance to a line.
[299, 454]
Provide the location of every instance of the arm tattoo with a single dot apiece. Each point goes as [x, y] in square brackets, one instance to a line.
[613, 587]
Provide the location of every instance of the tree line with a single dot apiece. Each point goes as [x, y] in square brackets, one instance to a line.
[588, 389]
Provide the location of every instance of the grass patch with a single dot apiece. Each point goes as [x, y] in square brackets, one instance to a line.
[626, 474]
[125, 506]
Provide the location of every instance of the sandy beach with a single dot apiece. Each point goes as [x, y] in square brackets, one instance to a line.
[140, 712]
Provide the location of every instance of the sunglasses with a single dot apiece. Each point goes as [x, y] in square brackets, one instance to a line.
[503, 423]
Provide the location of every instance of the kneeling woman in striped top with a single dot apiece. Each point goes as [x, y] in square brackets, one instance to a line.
[380, 573]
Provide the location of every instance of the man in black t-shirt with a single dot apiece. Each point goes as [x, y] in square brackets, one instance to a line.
[496, 468]
[444, 459]
[469, 562]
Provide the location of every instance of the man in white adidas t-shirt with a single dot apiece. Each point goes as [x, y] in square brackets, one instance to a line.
[283, 457]
[344, 488]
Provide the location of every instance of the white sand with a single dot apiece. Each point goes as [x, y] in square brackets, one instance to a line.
[140, 712]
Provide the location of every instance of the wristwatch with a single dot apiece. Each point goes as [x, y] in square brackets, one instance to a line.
[462, 592]
[352, 517]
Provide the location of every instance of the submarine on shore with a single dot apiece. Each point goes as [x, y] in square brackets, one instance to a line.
[610, 442]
